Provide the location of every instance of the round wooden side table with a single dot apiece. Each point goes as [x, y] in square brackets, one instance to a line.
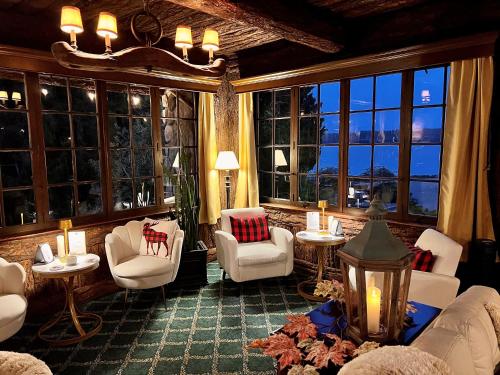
[53, 270]
[320, 243]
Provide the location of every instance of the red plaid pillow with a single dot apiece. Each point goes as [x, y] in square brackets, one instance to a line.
[250, 229]
[424, 260]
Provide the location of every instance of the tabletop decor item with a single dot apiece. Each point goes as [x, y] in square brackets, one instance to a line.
[65, 225]
[312, 221]
[323, 204]
[43, 254]
[376, 269]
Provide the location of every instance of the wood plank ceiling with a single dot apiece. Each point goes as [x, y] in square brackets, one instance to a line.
[262, 36]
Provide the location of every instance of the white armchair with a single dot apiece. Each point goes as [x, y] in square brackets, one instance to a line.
[130, 269]
[253, 260]
[439, 287]
[13, 303]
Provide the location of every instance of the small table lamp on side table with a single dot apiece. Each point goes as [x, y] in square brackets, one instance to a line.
[226, 161]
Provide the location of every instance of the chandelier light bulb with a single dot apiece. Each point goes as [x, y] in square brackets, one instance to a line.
[107, 28]
[183, 39]
[71, 22]
[210, 43]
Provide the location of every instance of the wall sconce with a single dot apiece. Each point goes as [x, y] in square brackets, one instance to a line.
[106, 28]
[183, 40]
[16, 97]
[4, 96]
[71, 23]
[210, 43]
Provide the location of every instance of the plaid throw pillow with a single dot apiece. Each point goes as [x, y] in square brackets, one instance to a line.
[250, 229]
[424, 260]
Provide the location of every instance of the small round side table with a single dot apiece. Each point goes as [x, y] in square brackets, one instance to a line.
[320, 243]
[85, 264]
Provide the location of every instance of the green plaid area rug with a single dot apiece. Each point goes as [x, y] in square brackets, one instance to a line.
[203, 331]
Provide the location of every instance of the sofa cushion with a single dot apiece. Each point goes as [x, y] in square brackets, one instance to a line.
[250, 229]
[139, 266]
[468, 316]
[423, 261]
[13, 307]
[250, 254]
[494, 311]
[158, 237]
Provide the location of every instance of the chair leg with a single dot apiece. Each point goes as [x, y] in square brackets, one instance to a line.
[223, 275]
[125, 299]
[163, 294]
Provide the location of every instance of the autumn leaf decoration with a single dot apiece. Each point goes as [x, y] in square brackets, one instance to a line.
[302, 326]
[320, 354]
[283, 347]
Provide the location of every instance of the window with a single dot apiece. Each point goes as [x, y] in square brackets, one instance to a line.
[178, 112]
[273, 115]
[131, 146]
[17, 199]
[71, 138]
[374, 129]
[429, 101]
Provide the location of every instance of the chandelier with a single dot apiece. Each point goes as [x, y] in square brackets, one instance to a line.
[133, 58]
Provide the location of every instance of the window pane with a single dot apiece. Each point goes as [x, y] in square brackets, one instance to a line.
[388, 91]
[168, 191]
[119, 133]
[265, 104]
[143, 163]
[168, 103]
[425, 161]
[265, 132]
[85, 131]
[190, 154]
[54, 96]
[428, 86]
[388, 191]
[170, 133]
[358, 193]
[282, 132]
[15, 168]
[360, 158]
[14, 131]
[89, 196]
[83, 96]
[142, 132]
[266, 159]
[87, 165]
[427, 125]
[360, 127]
[59, 167]
[122, 195]
[118, 100]
[265, 184]
[61, 202]
[387, 126]
[120, 163]
[385, 161]
[329, 159]
[56, 130]
[187, 129]
[329, 129]
[328, 189]
[361, 94]
[308, 131]
[308, 100]
[282, 187]
[282, 103]
[140, 102]
[307, 188]
[12, 83]
[145, 192]
[330, 97]
[186, 104]
[307, 159]
[169, 156]
[17, 203]
[282, 159]
[423, 198]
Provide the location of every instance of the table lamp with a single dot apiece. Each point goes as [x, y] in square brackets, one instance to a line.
[323, 204]
[226, 161]
[65, 225]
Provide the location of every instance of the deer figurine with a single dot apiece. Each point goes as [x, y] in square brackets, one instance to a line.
[153, 237]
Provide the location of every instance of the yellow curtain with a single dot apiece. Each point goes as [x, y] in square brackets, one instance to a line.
[464, 205]
[247, 189]
[207, 155]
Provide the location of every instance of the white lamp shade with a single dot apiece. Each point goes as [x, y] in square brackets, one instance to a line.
[16, 96]
[106, 26]
[210, 40]
[183, 38]
[71, 20]
[175, 164]
[4, 95]
[226, 160]
[279, 159]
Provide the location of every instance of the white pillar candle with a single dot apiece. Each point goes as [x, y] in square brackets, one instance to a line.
[22, 218]
[373, 308]
[60, 246]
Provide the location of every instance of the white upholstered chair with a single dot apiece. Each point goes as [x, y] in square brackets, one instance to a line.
[13, 303]
[439, 287]
[130, 269]
[253, 260]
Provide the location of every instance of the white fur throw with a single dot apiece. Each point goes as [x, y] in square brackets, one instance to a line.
[396, 360]
[22, 364]
[494, 311]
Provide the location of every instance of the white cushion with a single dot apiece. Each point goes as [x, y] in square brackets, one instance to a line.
[253, 253]
[13, 307]
[158, 248]
[143, 266]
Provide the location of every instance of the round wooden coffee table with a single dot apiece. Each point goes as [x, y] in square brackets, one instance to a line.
[320, 243]
[53, 270]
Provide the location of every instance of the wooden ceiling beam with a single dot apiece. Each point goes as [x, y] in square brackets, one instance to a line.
[295, 21]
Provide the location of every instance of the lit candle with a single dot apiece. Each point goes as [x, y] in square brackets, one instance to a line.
[22, 218]
[373, 308]
[61, 252]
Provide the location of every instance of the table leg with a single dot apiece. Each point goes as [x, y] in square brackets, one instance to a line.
[311, 283]
[321, 252]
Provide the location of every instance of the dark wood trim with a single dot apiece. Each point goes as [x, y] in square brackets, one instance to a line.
[294, 139]
[405, 144]
[157, 143]
[106, 189]
[343, 144]
[385, 62]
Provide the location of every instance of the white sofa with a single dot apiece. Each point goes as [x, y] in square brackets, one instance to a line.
[439, 287]
[253, 260]
[130, 269]
[13, 303]
[463, 334]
